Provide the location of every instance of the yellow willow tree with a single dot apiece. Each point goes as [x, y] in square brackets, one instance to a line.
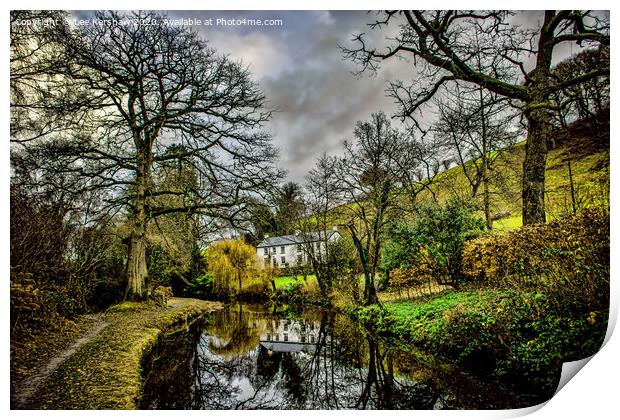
[230, 262]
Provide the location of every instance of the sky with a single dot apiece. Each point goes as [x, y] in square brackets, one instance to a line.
[305, 78]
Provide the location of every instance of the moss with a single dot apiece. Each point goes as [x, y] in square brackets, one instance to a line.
[106, 373]
[131, 306]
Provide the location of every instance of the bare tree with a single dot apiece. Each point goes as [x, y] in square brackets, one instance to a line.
[475, 125]
[586, 99]
[320, 198]
[369, 181]
[137, 86]
[471, 46]
[34, 55]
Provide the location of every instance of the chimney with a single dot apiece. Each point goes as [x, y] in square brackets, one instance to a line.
[297, 232]
[335, 228]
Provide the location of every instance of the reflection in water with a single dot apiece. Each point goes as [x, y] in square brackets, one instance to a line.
[246, 358]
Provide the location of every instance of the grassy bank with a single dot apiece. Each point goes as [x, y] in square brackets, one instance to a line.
[106, 372]
[512, 335]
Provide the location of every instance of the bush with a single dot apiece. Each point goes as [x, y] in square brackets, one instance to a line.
[200, 288]
[30, 310]
[577, 243]
[432, 246]
[567, 260]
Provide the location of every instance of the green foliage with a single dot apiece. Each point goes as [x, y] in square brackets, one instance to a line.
[200, 287]
[160, 266]
[434, 242]
[513, 335]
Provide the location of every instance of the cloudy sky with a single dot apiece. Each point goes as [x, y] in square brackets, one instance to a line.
[305, 78]
[301, 69]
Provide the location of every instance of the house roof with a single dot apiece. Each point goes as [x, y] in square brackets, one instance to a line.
[296, 239]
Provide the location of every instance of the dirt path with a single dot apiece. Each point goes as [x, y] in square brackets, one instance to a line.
[28, 387]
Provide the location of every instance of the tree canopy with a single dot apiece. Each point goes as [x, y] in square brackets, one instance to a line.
[140, 97]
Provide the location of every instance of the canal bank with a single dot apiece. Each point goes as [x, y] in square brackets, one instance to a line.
[105, 370]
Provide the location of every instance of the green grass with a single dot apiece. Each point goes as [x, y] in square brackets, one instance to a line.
[508, 223]
[285, 281]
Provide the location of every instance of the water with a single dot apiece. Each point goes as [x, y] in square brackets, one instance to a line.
[252, 357]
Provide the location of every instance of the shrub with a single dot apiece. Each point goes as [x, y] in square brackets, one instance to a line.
[577, 243]
[567, 260]
[200, 288]
[432, 246]
[29, 309]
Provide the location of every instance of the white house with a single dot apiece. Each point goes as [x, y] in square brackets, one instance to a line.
[292, 250]
[285, 335]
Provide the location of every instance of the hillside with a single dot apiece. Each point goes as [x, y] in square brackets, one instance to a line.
[585, 144]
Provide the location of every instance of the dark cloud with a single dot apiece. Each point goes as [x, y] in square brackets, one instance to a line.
[305, 78]
[300, 66]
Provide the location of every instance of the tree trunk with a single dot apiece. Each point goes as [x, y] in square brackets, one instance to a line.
[370, 293]
[485, 165]
[136, 261]
[535, 163]
[487, 196]
[136, 267]
[534, 167]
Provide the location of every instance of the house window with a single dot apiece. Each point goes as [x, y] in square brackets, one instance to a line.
[303, 338]
[273, 250]
[299, 260]
[265, 251]
[312, 339]
[285, 337]
[283, 259]
[281, 250]
[298, 247]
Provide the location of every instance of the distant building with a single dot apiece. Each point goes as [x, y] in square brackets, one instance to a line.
[292, 250]
[285, 335]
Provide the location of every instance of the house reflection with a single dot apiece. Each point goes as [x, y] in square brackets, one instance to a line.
[286, 336]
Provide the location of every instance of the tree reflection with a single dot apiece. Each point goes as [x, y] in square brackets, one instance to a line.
[250, 358]
[343, 366]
